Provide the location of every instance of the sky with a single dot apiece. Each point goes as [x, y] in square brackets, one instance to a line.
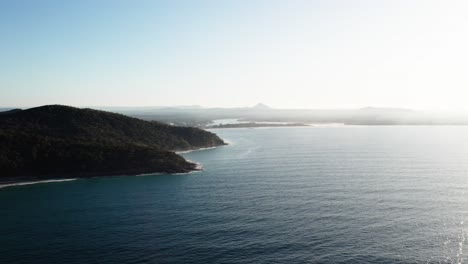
[286, 54]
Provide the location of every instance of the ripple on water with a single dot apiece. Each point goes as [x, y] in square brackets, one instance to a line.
[291, 195]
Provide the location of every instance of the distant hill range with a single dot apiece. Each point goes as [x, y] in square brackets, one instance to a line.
[261, 106]
[61, 141]
[203, 117]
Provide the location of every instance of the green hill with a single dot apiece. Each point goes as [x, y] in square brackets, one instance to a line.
[62, 141]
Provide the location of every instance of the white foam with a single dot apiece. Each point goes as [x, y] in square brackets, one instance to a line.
[33, 182]
[228, 142]
[198, 167]
[192, 150]
[190, 172]
[145, 174]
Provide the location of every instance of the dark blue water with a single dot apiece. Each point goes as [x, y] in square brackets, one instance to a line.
[281, 195]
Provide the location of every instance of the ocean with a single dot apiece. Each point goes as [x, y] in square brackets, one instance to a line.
[342, 194]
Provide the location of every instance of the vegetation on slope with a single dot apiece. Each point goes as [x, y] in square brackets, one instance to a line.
[56, 141]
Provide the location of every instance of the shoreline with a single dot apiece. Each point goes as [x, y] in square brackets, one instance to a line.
[193, 150]
[20, 181]
[31, 180]
[256, 125]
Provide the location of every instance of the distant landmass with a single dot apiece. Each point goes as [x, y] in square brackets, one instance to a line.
[372, 116]
[61, 141]
[254, 124]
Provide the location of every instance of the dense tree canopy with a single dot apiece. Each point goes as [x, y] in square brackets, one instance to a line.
[60, 141]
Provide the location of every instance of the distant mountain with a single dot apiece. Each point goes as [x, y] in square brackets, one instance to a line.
[261, 106]
[63, 141]
[384, 109]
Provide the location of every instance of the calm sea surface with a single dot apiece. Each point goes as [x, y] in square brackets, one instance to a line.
[280, 195]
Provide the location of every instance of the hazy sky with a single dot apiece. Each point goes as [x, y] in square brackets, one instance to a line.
[290, 54]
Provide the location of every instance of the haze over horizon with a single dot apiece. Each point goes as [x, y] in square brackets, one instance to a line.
[286, 54]
[256, 107]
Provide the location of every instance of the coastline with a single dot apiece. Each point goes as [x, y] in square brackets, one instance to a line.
[20, 181]
[193, 150]
[257, 125]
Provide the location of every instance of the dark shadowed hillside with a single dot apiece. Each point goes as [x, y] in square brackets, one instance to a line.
[56, 141]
